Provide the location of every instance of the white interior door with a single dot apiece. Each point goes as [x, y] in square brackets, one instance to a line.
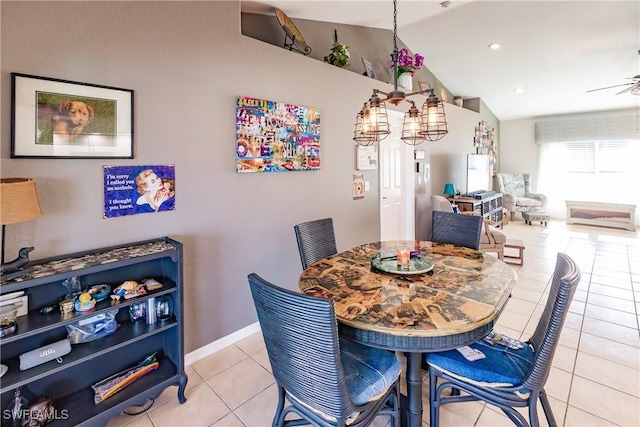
[397, 216]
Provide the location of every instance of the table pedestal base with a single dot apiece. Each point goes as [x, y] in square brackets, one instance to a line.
[412, 410]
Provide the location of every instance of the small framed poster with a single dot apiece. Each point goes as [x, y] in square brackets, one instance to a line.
[358, 186]
[132, 190]
[366, 157]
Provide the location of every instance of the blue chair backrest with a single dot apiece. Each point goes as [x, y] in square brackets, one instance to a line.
[316, 240]
[301, 336]
[456, 229]
[547, 334]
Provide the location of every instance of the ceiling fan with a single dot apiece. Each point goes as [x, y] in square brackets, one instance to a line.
[633, 86]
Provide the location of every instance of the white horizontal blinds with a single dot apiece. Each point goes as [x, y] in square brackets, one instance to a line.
[600, 156]
[617, 156]
[581, 157]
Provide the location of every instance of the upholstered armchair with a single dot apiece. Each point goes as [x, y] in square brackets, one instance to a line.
[517, 195]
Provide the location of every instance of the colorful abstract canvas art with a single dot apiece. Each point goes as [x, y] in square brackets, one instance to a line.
[276, 137]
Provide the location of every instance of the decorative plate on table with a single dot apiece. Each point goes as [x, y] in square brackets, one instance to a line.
[388, 262]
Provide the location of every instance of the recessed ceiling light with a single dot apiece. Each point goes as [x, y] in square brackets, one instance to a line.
[518, 90]
[494, 46]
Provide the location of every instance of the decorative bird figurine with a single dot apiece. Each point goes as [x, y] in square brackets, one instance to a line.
[18, 263]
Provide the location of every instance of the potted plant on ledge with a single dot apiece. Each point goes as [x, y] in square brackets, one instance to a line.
[407, 66]
[339, 55]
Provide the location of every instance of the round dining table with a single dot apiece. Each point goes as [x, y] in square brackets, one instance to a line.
[449, 297]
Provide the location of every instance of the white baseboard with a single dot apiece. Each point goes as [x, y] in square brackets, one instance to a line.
[218, 345]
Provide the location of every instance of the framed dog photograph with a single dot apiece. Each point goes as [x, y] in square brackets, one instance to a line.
[53, 118]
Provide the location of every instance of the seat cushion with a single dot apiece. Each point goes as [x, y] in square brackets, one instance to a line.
[502, 366]
[369, 371]
[525, 201]
[498, 236]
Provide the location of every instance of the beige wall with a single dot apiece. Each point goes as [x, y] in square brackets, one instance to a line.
[186, 62]
[448, 160]
[519, 151]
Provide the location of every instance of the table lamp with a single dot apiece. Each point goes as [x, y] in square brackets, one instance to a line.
[449, 190]
[18, 203]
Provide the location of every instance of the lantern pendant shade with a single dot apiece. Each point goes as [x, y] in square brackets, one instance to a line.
[372, 123]
[18, 200]
[411, 126]
[358, 135]
[434, 122]
[375, 123]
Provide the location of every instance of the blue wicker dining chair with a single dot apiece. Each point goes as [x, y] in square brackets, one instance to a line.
[459, 230]
[323, 379]
[491, 239]
[316, 240]
[508, 377]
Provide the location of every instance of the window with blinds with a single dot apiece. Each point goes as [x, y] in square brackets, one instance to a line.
[598, 157]
[599, 171]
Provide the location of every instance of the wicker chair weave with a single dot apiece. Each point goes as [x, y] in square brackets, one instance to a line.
[301, 336]
[547, 333]
[316, 240]
[455, 229]
[544, 342]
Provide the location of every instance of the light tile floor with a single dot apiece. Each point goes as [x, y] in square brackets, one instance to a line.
[594, 381]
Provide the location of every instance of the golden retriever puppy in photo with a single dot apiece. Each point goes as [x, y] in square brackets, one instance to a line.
[72, 118]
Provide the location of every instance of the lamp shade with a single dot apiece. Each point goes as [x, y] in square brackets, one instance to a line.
[18, 200]
[449, 189]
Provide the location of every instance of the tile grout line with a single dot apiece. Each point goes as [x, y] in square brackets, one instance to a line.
[575, 357]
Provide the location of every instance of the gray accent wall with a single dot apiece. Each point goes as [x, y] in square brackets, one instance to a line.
[186, 62]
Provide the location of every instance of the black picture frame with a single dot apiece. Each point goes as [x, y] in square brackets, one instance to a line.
[53, 118]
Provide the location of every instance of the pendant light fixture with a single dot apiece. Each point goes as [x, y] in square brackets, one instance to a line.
[372, 122]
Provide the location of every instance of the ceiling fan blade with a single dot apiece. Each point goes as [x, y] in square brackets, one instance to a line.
[609, 87]
[629, 89]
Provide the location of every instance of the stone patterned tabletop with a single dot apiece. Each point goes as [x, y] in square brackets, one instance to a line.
[464, 291]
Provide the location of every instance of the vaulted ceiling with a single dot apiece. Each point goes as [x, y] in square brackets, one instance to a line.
[555, 51]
